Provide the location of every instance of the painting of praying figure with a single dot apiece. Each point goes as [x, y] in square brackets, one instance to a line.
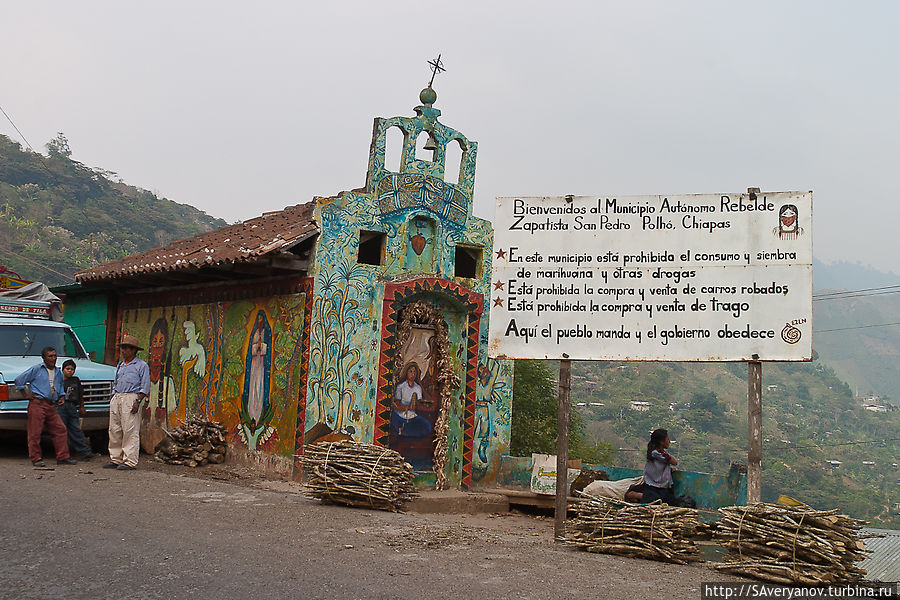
[256, 381]
[405, 421]
[414, 406]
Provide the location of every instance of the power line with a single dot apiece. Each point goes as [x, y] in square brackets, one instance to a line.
[776, 447]
[857, 327]
[25, 258]
[856, 443]
[876, 291]
[54, 176]
[842, 292]
[854, 295]
[22, 135]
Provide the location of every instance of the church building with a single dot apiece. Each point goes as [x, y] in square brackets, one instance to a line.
[360, 316]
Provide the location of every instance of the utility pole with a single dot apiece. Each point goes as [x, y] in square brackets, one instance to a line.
[754, 418]
[562, 449]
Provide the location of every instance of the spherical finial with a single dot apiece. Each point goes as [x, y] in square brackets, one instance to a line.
[428, 96]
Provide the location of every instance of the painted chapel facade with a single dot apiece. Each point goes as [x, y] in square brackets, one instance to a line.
[360, 316]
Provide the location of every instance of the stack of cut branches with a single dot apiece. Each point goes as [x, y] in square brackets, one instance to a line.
[194, 444]
[358, 474]
[790, 544]
[654, 531]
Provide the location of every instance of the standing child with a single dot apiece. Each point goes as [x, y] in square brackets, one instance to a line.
[658, 470]
[72, 409]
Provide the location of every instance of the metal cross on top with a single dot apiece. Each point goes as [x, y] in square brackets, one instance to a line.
[437, 67]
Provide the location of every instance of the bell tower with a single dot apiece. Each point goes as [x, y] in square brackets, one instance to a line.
[420, 183]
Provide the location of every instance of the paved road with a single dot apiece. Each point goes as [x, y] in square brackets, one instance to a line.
[88, 533]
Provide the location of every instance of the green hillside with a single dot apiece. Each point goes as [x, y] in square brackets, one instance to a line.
[53, 209]
[809, 417]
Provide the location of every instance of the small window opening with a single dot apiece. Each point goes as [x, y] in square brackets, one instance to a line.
[393, 149]
[468, 261]
[371, 248]
[453, 161]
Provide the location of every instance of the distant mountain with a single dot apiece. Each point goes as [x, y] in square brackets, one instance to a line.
[859, 337]
[849, 276]
[56, 214]
[858, 333]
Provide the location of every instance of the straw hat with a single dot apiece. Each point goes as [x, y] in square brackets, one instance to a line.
[130, 340]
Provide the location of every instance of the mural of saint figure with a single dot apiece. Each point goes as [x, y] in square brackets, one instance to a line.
[405, 422]
[162, 399]
[256, 377]
[192, 358]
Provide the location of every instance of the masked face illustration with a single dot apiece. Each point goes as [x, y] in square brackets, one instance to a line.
[788, 219]
[788, 225]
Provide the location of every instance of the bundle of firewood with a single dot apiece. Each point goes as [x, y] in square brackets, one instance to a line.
[358, 474]
[654, 531]
[194, 444]
[790, 544]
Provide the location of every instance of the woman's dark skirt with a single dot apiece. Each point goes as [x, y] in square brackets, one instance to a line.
[652, 493]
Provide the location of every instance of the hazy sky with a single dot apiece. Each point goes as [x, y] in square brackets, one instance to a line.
[242, 108]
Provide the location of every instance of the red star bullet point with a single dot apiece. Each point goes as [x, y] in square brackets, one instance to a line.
[501, 253]
[498, 285]
[498, 301]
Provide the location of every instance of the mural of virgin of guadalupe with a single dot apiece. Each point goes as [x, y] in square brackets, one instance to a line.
[255, 400]
[162, 400]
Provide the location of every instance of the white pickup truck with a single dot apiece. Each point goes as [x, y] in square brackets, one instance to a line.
[26, 327]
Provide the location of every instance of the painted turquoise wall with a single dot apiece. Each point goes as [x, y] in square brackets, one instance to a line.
[708, 490]
[87, 314]
[348, 325]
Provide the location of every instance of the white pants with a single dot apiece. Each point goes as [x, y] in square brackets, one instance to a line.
[124, 430]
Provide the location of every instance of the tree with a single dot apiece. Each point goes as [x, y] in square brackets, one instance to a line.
[534, 417]
[58, 147]
[534, 409]
[707, 412]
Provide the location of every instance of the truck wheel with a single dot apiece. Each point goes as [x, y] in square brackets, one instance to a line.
[99, 441]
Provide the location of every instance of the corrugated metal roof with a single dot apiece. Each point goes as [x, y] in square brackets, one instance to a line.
[241, 242]
[884, 562]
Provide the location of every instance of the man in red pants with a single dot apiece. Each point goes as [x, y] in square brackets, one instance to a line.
[45, 392]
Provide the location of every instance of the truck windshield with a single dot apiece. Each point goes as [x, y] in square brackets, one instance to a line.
[29, 340]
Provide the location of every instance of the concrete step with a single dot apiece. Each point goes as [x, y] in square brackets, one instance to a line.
[458, 502]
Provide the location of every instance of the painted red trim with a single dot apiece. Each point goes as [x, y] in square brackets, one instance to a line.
[397, 295]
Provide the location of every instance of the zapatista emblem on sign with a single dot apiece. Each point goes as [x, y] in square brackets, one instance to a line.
[788, 223]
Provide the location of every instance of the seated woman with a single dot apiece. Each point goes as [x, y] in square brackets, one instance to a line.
[405, 422]
[658, 470]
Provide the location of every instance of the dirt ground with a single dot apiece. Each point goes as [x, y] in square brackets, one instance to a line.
[224, 531]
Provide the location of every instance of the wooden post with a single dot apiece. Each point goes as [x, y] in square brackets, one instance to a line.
[754, 430]
[562, 449]
[754, 416]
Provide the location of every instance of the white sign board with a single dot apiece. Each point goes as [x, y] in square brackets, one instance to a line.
[704, 277]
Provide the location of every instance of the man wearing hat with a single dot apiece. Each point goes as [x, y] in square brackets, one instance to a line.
[131, 387]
